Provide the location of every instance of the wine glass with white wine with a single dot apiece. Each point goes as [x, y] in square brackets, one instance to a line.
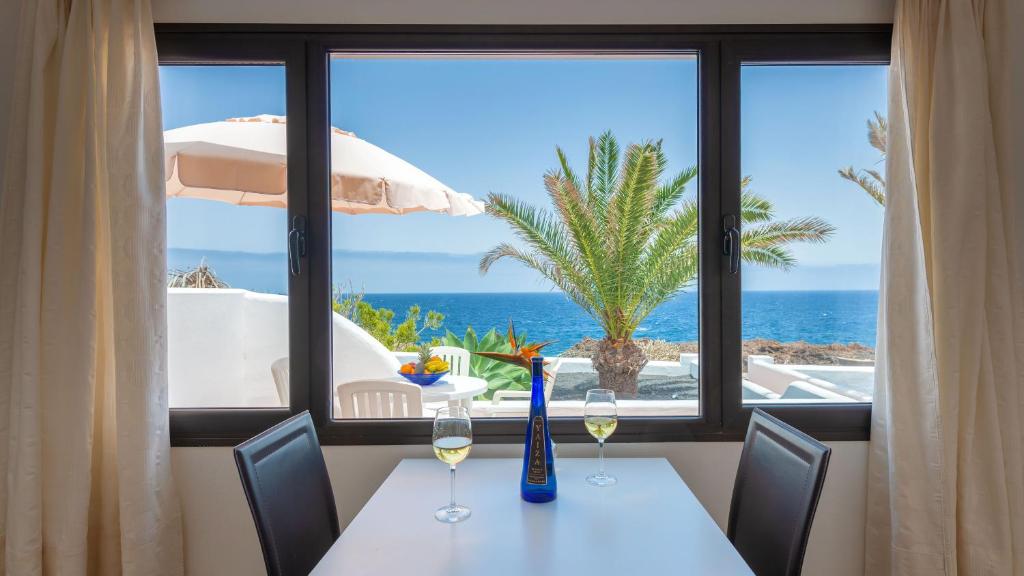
[453, 438]
[600, 417]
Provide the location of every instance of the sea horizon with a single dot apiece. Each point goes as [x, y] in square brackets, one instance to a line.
[817, 315]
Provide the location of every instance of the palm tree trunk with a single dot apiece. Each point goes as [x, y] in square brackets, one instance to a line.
[618, 364]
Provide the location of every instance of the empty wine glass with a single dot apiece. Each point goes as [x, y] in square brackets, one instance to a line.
[600, 417]
[453, 438]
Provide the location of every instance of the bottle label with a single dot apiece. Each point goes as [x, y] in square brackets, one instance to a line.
[537, 473]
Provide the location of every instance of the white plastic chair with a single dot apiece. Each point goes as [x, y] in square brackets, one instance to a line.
[279, 370]
[457, 358]
[549, 385]
[380, 399]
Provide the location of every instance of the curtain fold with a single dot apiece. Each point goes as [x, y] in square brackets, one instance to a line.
[85, 479]
[946, 466]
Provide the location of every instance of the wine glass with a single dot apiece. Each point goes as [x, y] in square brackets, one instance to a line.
[600, 418]
[453, 438]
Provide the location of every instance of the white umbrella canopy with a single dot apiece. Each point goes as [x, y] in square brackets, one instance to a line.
[243, 161]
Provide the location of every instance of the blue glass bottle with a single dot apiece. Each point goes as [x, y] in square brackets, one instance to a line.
[538, 483]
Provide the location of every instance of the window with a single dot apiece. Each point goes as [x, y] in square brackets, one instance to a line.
[227, 301]
[349, 266]
[812, 148]
[488, 128]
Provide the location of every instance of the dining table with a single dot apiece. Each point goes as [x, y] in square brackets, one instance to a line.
[454, 389]
[648, 523]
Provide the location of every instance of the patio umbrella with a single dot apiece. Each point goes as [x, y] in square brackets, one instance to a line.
[243, 161]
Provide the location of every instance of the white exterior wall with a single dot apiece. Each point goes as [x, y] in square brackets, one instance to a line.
[221, 343]
[213, 358]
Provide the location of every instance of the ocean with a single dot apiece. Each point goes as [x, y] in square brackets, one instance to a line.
[817, 317]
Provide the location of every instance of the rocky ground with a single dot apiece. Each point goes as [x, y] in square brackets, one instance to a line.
[782, 352]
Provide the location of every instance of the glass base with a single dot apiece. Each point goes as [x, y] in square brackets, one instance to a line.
[452, 514]
[601, 479]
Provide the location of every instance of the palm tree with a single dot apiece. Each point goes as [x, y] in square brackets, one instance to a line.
[871, 181]
[620, 242]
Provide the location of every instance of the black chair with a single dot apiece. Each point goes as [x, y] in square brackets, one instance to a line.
[285, 480]
[778, 483]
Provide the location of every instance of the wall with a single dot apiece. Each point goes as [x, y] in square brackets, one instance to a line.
[526, 11]
[221, 539]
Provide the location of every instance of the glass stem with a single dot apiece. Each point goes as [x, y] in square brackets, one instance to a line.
[451, 504]
[600, 457]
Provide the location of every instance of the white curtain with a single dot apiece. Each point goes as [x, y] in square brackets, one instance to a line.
[85, 479]
[945, 490]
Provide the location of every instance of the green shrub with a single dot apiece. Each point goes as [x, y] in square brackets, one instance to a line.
[499, 375]
[379, 322]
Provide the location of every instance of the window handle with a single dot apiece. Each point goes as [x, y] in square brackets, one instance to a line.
[296, 244]
[731, 242]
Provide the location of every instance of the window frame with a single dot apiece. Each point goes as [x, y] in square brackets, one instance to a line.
[305, 51]
[229, 426]
[846, 421]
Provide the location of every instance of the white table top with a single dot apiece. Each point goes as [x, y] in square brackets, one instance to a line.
[649, 523]
[451, 387]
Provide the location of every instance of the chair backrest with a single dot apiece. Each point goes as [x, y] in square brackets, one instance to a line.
[279, 370]
[289, 492]
[380, 399]
[457, 358]
[779, 480]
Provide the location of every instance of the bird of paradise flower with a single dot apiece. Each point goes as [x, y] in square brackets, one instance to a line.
[522, 353]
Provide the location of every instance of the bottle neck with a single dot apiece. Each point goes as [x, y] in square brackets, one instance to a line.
[537, 377]
[537, 372]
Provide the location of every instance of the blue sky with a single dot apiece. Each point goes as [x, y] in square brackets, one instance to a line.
[492, 126]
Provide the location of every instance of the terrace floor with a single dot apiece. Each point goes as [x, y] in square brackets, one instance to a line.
[574, 386]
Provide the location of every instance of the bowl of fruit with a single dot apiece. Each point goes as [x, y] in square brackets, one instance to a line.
[427, 370]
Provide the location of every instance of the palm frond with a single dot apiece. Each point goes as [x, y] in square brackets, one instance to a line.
[877, 176]
[675, 233]
[202, 276]
[878, 133]
[536, 227]
[875, 187]
[580, 294]
[633, 199]
[603, 165]
[807, 229]
[567, 171]
[668, 195]
[671, 278]
[628, 227]
[580, 221]
[754, 208]
[765, 244]
[775, 256]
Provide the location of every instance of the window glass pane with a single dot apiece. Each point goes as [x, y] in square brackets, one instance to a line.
[813, 161]
[410, 129]
[227, 309]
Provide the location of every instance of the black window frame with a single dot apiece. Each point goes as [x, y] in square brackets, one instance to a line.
[305, 51]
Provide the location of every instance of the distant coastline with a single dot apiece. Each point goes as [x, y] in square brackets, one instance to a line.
[441, 273]
[814, 317]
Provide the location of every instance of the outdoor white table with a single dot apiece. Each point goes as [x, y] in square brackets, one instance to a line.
[453, 389]
[649, 523]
